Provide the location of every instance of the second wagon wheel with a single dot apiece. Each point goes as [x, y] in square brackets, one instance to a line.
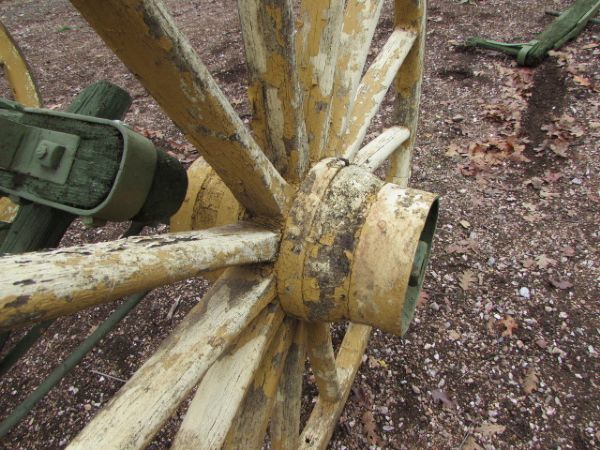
[322, 239]
[24, 90]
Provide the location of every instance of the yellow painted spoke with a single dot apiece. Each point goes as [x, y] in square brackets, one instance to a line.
[317, 45]
[410, 15]
[149, 398]
[360, 21]
[322, 360]
[274, 92]
[373, 87]
[146, 39]
[325, 414]
[372, 155]
[58, 282]
[222, 390]
[285, 422]
[250, 426]
[18, 73]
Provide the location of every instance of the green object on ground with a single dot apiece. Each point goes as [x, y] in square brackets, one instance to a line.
[566, 27]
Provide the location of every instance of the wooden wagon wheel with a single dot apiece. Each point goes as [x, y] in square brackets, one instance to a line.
[321, 240]
[24, 90]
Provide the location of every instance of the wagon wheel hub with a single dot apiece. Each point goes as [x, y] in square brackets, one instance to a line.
[354, 248]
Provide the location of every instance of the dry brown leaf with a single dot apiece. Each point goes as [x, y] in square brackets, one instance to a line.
[543, 261]
[370, 427]
[567, 251]
[531, 381]
[439, 395]
[510, 325]
[490, 429]
[466, 279]
[423, 298]
[471, 444]
[561, 284]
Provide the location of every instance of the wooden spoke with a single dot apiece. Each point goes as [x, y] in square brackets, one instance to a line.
[372, 155]
[224, 386]
[250, 426]
[322, 360]
[278, 122]
[43, 285]
[410, 15]
[317, 45]
[325, 414]
[373, 87]
[285, 422]
[17, 71]
[139, 409]
[146, 39]
[360, 21]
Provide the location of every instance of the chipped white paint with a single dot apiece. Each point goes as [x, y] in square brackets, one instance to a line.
[372, 155]
[222, 390]
[373, 87]
[145, 37]
[317, 45]
[149, 398]
[360, 21]
[274, 93]
[325, 414]
[42, 285]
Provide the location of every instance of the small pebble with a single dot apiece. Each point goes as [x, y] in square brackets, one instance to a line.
[524, 292]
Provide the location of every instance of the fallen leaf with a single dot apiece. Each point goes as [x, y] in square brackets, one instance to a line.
[543, 262]
[370, 427]
[530, 382]
[582, 81]
[466, 279]
[454, 335]
[528, 262]
[560, 147]
[552, 177]
[490, 429]
[453, 150]
[534, 182]
[510, 325]
[471, 444]
[561, 284]
[439, 395]
[567, 251]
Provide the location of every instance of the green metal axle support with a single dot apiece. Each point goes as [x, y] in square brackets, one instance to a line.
[566, 27]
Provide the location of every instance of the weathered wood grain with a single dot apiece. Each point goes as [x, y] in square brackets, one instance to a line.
[325, 414]
[322, 360]
[372, 155]
[274, 92]
[409, 15]
[149, 398]
[360, 21]
[223, 388]
[43, 285]
[250, 426]
[285, 421]
[317, 45]
[145, 37]
[373, 87]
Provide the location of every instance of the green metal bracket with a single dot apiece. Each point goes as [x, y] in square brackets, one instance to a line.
[44, 153]
[40, 153]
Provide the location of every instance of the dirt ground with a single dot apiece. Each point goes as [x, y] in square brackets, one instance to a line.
[504, 349]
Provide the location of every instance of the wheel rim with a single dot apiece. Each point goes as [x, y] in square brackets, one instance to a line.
[293, 138]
